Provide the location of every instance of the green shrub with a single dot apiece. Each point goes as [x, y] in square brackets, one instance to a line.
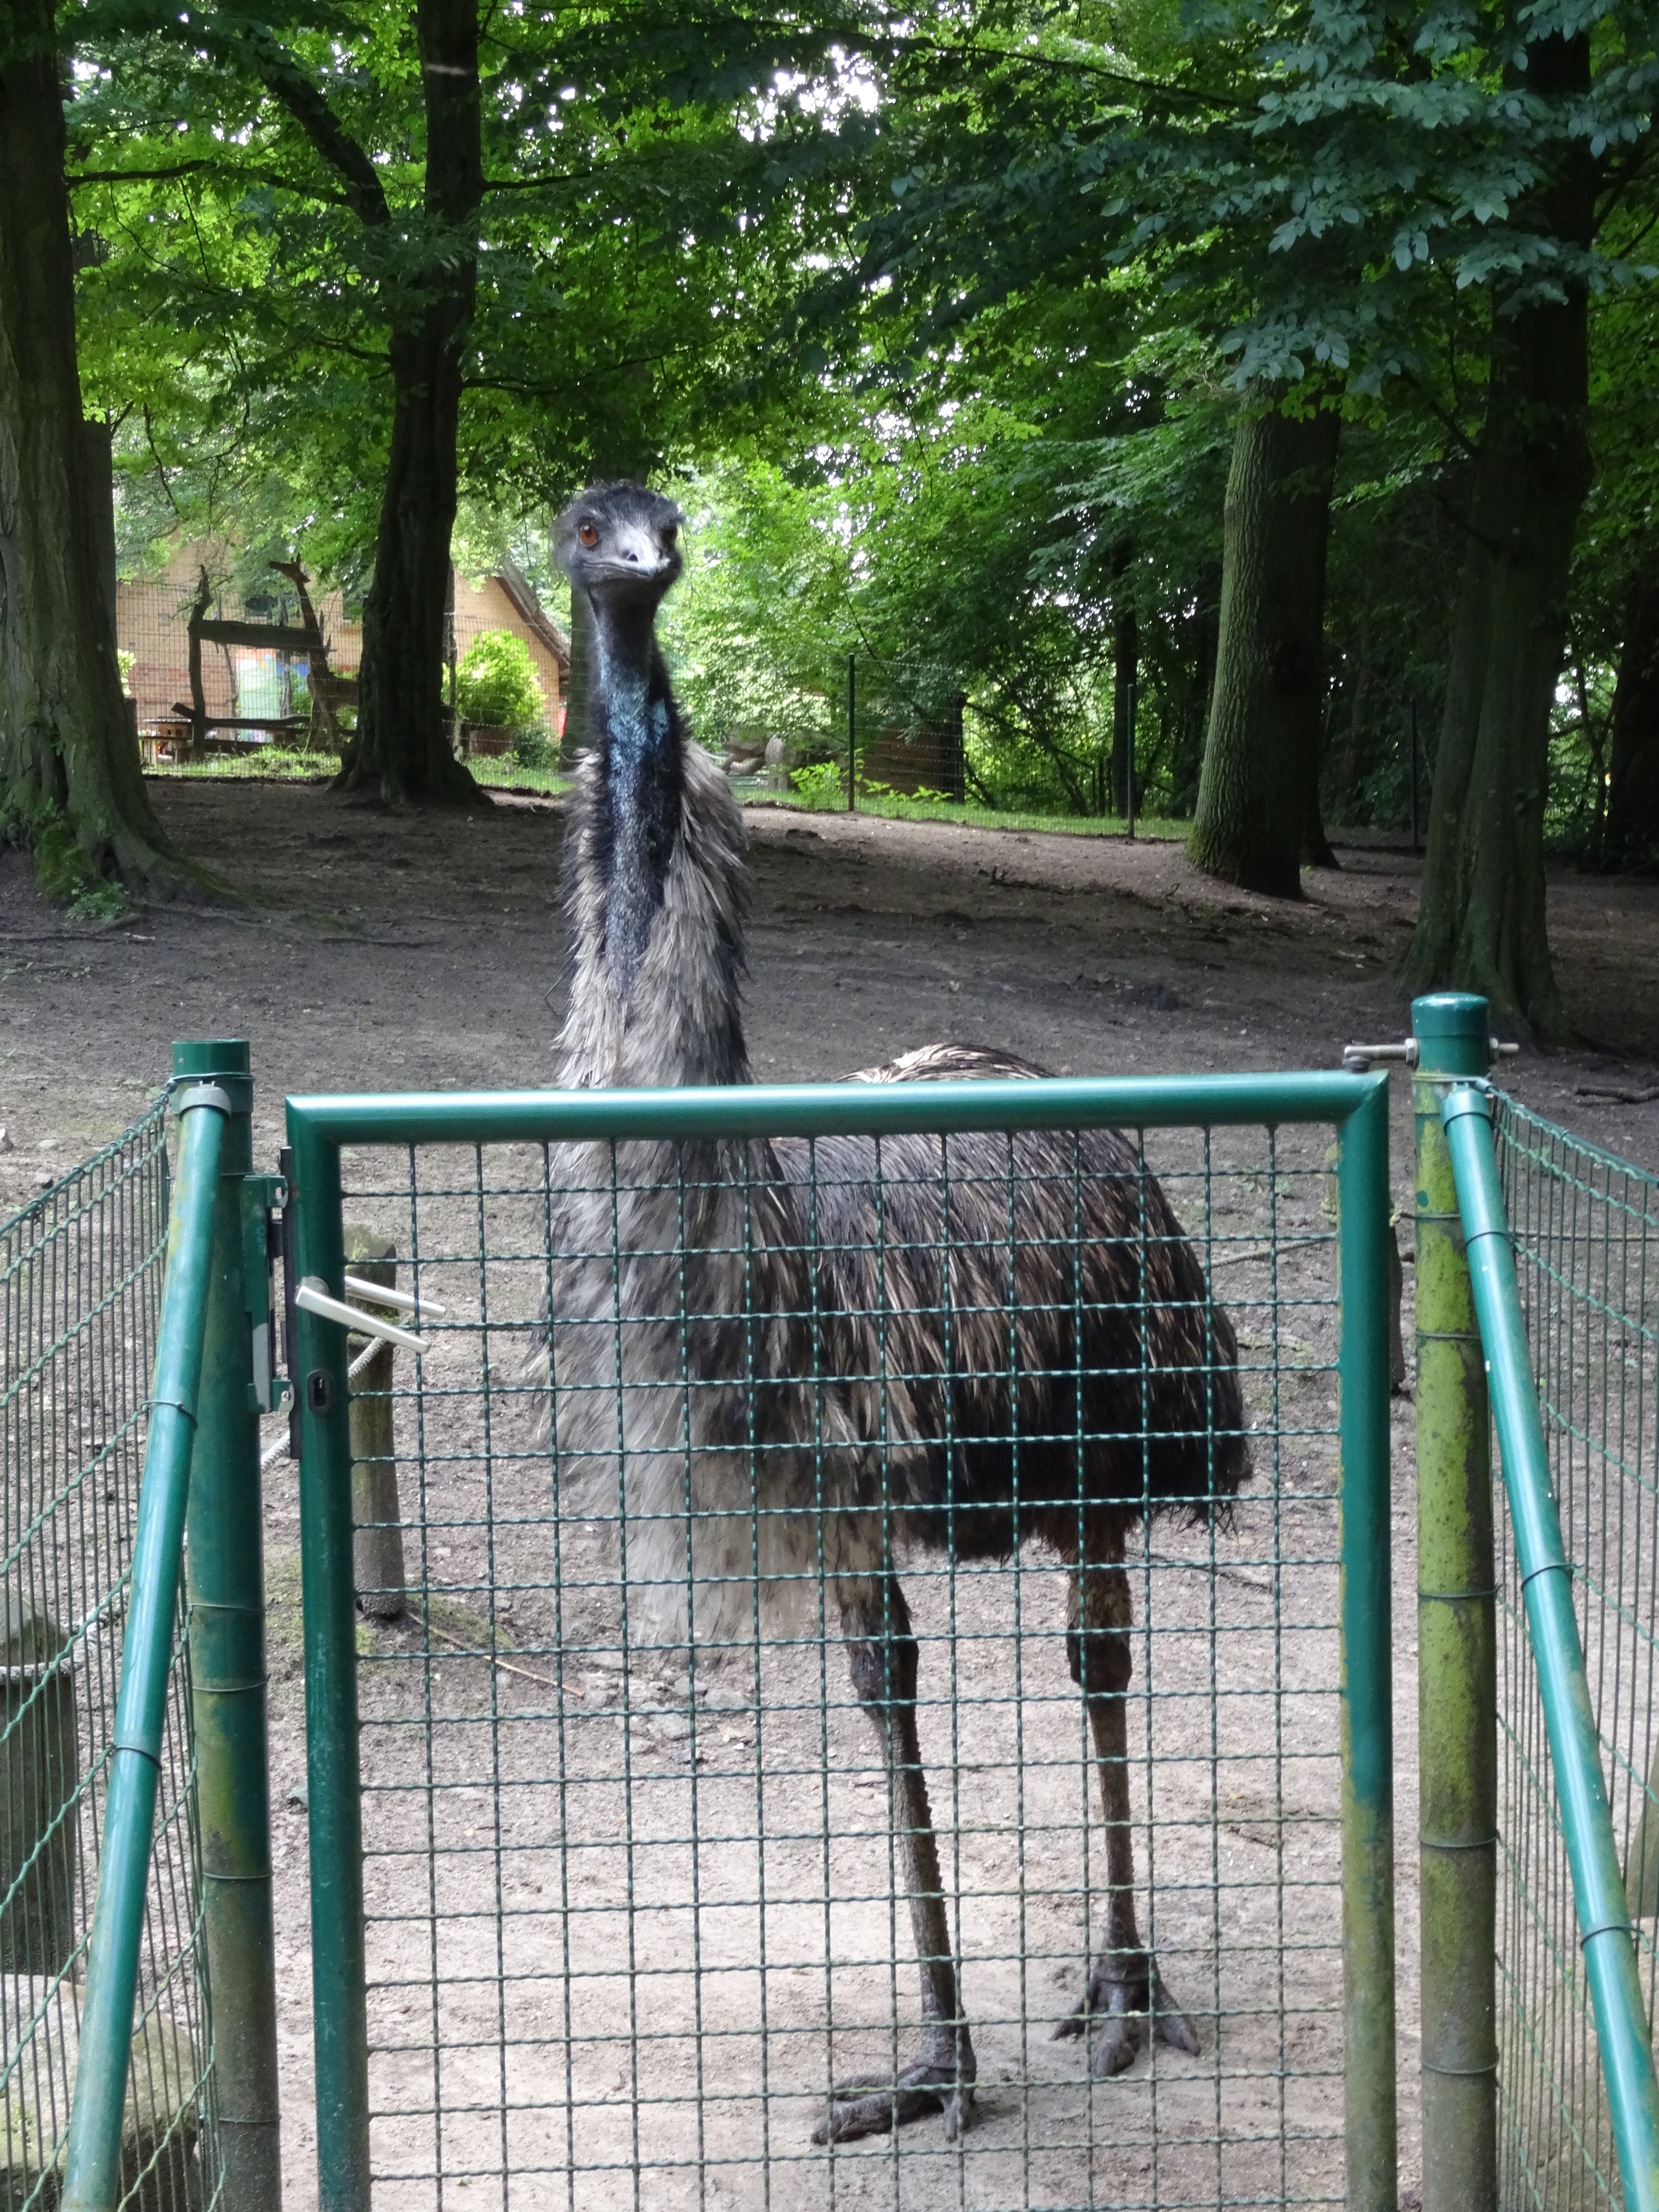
[535, 746]
[496, 683]
[822, 784]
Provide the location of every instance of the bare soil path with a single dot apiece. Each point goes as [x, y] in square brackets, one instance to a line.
[372, 953]
[424, 953]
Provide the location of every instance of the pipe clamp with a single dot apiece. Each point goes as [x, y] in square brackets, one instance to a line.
[203, 1094]
[1549, 1567]
[1468, 1095]
[1608, 1928]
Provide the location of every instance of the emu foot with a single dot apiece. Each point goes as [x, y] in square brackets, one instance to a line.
[941, 2080]
[1126, 1991]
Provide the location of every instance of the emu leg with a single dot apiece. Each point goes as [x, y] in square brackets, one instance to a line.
[881, 1652]
[1125, 1987]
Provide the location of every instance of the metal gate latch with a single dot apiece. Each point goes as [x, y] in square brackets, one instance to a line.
[262, 1195]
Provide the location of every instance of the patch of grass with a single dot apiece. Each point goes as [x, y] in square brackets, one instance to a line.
[285, 1626]
[499, 775]
[465, 1623]
[270, 762]
[895, 807]
[550, 780]
[273, 764]
[63, 871]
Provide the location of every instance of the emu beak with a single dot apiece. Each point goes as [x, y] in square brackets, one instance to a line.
[637, 553]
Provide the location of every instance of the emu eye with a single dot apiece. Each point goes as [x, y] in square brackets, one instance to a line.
[588, 534]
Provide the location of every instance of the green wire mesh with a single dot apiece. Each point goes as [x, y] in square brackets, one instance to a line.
[1585, 1227]
[81, 1272]
[632, 1909]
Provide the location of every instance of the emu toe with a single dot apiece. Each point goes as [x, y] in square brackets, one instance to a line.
[941, 2081]
[1125, 1993]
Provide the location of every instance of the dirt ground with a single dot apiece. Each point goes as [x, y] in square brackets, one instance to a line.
[372, 953]
[377, 954]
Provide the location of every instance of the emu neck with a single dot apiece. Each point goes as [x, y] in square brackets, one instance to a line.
[657, 883]
[640, 746]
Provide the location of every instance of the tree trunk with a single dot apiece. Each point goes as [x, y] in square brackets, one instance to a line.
[70, 778]
[1126, 694]
[1481, 921]
[1204, 632]
[1316, 845]
[1126, 681]
[401, 749]
[1633, 824]
[1262, 750]
[1349, 756]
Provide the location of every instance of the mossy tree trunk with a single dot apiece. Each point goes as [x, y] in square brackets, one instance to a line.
[1316, 845]
[1481, 922]
[1262, 753]
[1126, 683]
[1632, 825]
[1204, 631]
[401, 750]
[70, 778]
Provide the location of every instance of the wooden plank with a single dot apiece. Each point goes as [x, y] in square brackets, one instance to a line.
[273, 637]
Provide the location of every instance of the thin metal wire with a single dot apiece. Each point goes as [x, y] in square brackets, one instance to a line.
[1585, 1227]
[656, 1912]
[79, 1301]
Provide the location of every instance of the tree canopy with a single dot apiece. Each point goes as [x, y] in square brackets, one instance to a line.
[948, 324]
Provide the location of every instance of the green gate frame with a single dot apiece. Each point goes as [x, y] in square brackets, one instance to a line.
[1356, 1104]
[212, 1379]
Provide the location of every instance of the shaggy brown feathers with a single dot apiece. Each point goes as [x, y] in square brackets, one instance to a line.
[993, 1318]
[771, 1360]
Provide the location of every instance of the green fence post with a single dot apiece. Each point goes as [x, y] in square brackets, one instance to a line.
[1457, 1665]
[338, 1994]
[1598, 1886]
[92, 2176]
[227, 1661]
[1367, 1665]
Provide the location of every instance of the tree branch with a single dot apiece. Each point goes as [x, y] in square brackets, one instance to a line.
[194, 168]
[293, 88]
[1060, 65]
[136, 176]
[553, 177]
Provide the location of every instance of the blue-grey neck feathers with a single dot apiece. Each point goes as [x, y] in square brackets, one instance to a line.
[656, 879]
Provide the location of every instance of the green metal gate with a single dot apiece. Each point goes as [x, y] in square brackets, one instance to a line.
[602, 1915]
[1585, 1231]
[599, 1920]
[81, 1295]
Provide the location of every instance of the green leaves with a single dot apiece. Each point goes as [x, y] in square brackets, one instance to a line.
[656, 180]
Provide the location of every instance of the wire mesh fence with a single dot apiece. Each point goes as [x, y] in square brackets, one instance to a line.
[242, 676]
[1585, 1227]
[904, 736]
[640, 1875]
[80, 1298]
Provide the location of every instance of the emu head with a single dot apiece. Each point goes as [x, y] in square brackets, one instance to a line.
[619, 543]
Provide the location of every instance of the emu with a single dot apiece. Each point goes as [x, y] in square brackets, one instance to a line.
[787, 1361]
